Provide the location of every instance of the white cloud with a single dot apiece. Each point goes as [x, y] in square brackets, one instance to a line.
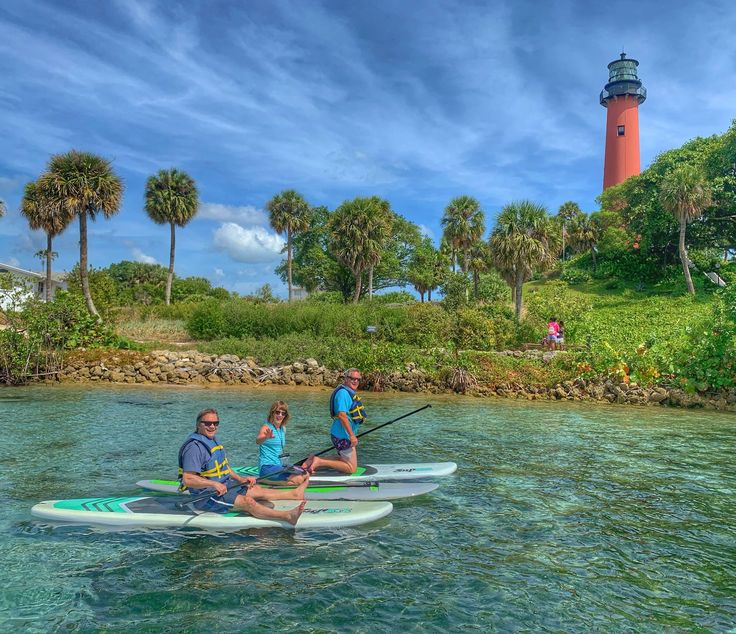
[139, 256]
[248, 245]
[426, 231]
[13, 261]
[244, 215]
[219, 273]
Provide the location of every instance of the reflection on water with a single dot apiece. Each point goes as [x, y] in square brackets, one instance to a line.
[561, 518]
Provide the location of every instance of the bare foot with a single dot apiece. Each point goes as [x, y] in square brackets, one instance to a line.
[299, 491]
[307, 464]
[296, 513]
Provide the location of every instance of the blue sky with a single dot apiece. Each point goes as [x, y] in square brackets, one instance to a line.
[413, 101]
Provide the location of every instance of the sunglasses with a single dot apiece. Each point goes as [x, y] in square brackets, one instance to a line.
[279, 412]
[353, 378]
[210, 423]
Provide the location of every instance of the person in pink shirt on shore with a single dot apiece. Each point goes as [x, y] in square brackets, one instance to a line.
[553, 329]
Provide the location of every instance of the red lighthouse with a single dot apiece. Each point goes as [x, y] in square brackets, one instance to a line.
[621, 96]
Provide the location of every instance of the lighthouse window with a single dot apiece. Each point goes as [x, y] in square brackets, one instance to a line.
[620, 130]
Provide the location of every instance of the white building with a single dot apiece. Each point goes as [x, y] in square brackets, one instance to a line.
[32, 284]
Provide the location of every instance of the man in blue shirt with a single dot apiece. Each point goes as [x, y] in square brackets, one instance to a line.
[347, 413]
[203, 465]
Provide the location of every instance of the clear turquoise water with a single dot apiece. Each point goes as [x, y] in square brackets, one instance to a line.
[561, 518]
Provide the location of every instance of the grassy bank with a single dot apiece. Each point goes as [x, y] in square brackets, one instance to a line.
[627, 334]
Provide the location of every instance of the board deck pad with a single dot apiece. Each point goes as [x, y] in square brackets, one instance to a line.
[160, 512]
[320, 490]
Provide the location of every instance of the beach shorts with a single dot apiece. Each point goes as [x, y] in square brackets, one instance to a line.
[285, 472]
[223, 503]
[344, 449]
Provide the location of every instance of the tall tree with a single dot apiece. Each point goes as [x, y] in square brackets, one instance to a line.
[43, 211]
[289, 213]
[684, 194]
[358, 230]
[480, 262]
[585, 231]
[84, 185]
[523, 241]
[423, 266]
[464, 223]
[171, 198]
[567, 213]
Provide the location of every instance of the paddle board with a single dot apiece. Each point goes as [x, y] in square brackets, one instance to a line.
[368, 472]
[320, 490]
[159, 512]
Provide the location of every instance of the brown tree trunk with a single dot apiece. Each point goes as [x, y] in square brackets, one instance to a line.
[83, 271]
[48, 267]
[170, 276]
[288, 263]
[683, 258]
[517, 296]
[370, 283]
[358, 285]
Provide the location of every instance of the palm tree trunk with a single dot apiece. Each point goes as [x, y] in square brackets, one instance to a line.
[421, 294]
[370, 283]
[48, 267]
[288, 263]
[683, 258]
[429, 295]
[358, 285]
[592, 255]
[517, 296]
[83, 272]
[170, 276]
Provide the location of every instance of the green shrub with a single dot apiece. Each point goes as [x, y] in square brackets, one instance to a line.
[709, 362]
[206, 321]
[426, 326]
[471, 329]
[574, 275]
[394, 297]
[325, 297]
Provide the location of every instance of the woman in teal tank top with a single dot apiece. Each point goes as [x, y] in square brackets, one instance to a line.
[271, 441]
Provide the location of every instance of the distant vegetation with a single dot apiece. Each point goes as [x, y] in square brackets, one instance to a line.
[629, 280]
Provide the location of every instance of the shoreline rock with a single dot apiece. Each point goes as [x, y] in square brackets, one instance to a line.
[198, 368]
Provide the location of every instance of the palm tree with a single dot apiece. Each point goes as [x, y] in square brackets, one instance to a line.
[684, 194]
[523, 241]
[84, 185]
[289, 213]
[44, 212]
[480, 258]
[464, 223]
[567, 212]
[358, 230]
[585, 233]
[171, 198]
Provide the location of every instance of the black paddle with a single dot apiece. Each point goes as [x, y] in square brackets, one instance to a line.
[204, 496]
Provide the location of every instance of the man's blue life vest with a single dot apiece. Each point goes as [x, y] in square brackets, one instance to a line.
[216, 468]
[356, 412]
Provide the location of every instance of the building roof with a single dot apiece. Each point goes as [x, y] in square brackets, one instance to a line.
[9, 268]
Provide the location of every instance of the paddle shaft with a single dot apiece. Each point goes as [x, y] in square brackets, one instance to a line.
[204, 496]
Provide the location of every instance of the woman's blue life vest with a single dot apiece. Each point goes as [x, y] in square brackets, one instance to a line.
[272, 451]
[216, 468]
[356, 413]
